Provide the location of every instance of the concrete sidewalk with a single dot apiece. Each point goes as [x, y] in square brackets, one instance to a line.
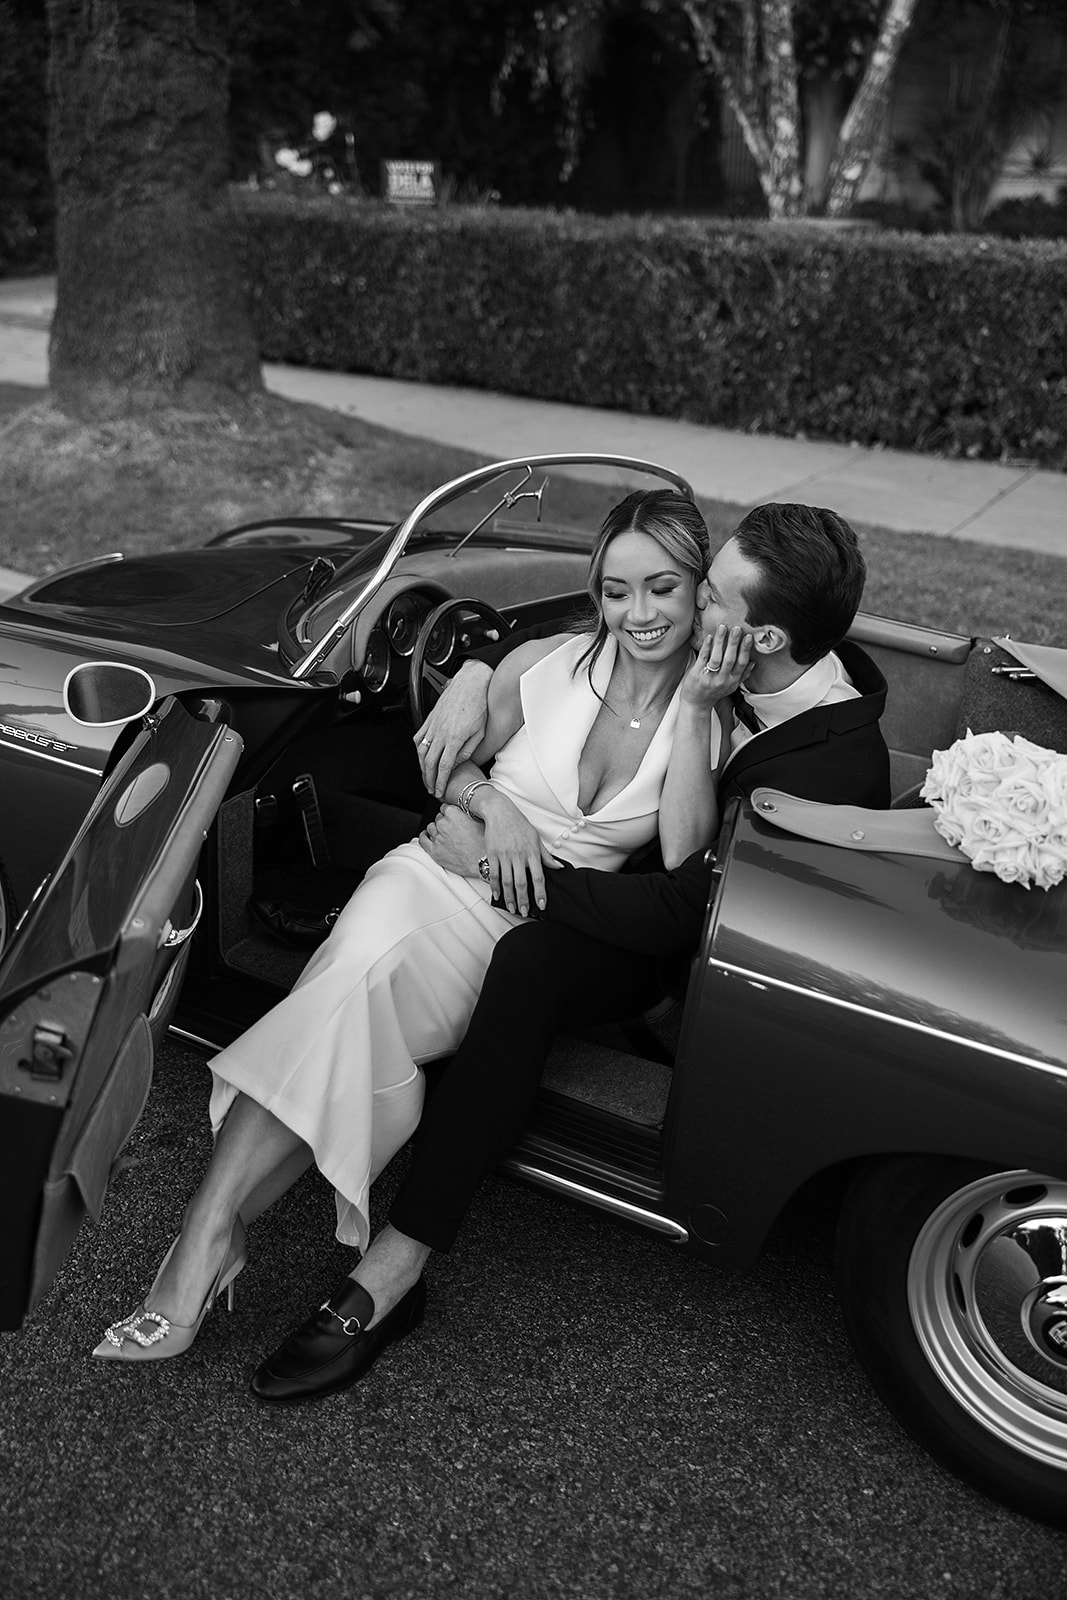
[1015, 506]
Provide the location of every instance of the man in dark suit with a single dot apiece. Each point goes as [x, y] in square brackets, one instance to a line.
[806, 721]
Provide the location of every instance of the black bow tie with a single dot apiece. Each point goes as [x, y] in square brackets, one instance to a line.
[745, 714]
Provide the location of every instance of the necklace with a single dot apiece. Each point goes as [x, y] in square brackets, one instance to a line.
[635, 720]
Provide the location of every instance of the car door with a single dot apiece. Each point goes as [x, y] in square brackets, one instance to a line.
[80, 981]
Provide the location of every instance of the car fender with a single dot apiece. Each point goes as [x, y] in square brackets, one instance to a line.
[852, 1004]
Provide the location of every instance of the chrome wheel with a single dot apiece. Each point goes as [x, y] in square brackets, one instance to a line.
[987, 1293]
[952, 1281]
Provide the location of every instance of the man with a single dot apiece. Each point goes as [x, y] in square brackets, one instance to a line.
[806, 721]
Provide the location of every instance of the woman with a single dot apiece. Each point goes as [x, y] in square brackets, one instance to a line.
[587, 768]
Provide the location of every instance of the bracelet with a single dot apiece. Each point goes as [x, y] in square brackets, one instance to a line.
[465, 797]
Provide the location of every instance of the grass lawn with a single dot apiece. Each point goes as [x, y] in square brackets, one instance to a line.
[70, 491]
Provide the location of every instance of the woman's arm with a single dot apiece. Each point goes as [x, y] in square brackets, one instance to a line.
[512, 844]
[689, 806]
[456, 724]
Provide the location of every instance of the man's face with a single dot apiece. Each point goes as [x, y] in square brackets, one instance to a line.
[721, 597]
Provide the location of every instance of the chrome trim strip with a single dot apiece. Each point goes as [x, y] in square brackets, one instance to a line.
[35, 749]
[195, 1038]
[594, 1197]
[442, 496]
[761, 981]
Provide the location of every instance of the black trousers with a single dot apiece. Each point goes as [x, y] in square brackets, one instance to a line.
[543, 976]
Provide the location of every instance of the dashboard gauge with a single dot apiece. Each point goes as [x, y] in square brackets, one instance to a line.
[377, 661]
[442, 642]
[402, 623]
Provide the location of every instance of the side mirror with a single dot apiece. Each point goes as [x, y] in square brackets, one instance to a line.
[105, 694]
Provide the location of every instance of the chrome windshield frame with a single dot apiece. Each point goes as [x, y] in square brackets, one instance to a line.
[443, 496]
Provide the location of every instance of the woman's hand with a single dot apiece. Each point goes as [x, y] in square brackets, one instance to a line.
[513, 846]
[455, 726]
[689, 804]
[721, 663]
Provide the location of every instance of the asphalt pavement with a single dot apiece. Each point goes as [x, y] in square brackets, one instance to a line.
[586, 1413]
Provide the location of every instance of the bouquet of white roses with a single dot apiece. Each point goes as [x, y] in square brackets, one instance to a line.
[1003, 802]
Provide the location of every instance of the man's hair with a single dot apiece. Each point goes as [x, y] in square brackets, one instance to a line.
[812, 574]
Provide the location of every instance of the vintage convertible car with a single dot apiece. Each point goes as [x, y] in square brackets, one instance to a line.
[183, 736]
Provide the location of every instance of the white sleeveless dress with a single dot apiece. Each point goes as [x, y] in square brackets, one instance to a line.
[395, 983]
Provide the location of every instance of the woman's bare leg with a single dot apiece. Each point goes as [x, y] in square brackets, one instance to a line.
[255, 1159]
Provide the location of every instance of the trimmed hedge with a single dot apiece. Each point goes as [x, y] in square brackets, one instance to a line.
[954, 345]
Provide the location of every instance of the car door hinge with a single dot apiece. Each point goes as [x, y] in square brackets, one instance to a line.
[51, 1053]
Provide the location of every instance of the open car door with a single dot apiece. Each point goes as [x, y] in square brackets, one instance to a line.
[87, 971]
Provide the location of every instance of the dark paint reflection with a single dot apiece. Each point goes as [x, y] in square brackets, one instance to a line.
[947, 948]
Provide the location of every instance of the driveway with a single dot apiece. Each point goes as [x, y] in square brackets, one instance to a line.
[585, 1413]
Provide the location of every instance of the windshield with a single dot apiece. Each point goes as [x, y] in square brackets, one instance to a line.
[555, 499]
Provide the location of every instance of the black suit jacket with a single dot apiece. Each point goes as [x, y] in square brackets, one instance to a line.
[835, 753]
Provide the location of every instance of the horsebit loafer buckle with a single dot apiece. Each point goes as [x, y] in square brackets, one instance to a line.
[344, 1321]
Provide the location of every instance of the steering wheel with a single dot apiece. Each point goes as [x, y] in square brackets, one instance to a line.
[428, 678]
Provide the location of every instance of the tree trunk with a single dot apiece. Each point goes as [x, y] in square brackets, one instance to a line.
[770, 123]
[151, 308]
[863, 120]
[784, 186]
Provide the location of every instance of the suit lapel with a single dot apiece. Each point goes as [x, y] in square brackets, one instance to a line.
[815, 726]
[809, 727]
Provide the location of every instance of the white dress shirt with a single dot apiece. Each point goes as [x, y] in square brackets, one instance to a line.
[824, 683]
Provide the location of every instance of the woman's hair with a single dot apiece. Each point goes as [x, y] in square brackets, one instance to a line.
[664, 515]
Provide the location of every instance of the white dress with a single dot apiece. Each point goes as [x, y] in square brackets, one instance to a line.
[395, 983]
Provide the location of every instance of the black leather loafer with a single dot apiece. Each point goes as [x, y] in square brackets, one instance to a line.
[333, 1349]
[301, 929]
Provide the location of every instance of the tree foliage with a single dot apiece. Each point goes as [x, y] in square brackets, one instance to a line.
[760, 54]
[403, 79]
[25, 188]
[1001, 91]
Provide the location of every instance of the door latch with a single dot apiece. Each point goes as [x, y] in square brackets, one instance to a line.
[51, 1052]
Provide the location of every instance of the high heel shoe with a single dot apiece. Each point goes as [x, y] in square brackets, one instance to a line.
[126, 1340]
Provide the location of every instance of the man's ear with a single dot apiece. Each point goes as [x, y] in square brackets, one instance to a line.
[768, 639]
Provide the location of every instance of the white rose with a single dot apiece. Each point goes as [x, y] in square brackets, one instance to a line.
[1036, 752]
[1023, 799]
[946, 769]
[1049, 864]
[1010, 868]
[1055, 785]
[949, 829]
[987, 752]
